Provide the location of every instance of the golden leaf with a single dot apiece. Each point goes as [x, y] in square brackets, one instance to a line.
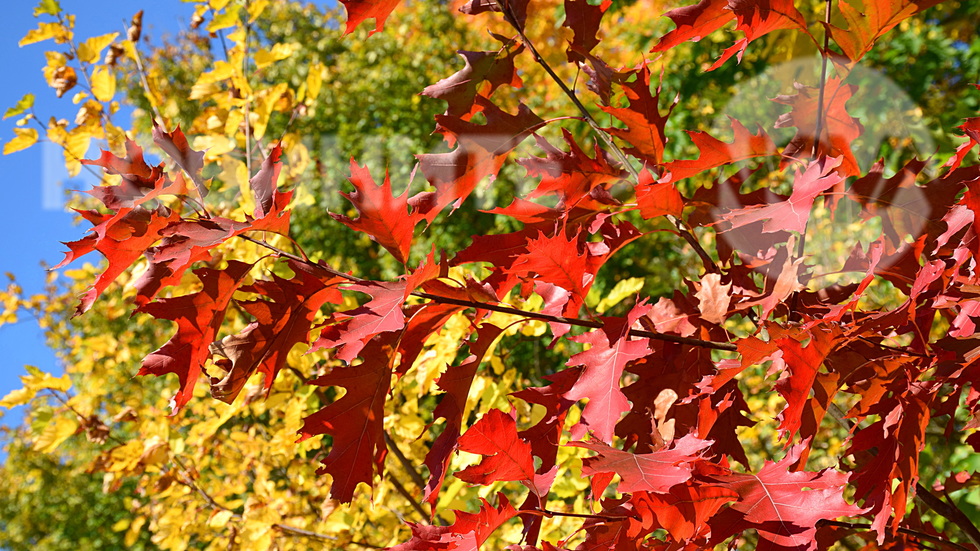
[90, 50]
[55, 432]
[25, 138]
[103, 84]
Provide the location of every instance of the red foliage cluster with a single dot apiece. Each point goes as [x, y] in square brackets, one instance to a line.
[888, 367]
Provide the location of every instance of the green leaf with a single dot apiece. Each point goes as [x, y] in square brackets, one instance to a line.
[24, 104]
[47, 7]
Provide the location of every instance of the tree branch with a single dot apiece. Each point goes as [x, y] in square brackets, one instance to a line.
[906, 531]
[507, 309]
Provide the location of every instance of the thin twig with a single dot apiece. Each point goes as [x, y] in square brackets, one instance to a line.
[146, 86]
[408, 497]
[906, 531]
[509, 310]
[406, 464]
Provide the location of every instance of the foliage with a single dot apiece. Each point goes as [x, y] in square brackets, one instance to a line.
[851, 367]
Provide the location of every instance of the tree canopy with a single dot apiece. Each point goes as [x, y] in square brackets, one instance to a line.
[616, 300]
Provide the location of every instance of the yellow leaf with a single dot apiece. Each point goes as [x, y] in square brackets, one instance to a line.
[264, 57]
[120, 525]
[255, 9]
[125, 457]
[224, 20]
[26, 137]
[44, 31]
[17, 397]
[220, 518]
[624, 288]
[47, 7]
[314, 80]
[76, 146]
[55, 432]
[103, 84]
[218, 4]
[221, 71]
[90, 50]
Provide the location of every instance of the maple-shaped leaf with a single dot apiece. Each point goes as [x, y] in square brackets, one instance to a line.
[139, 182]
[868, 20]
[658, 198]
[803, 364]
[480, 152]
[757, 18]
[782, 505]
[199, 317]
[694, 22]
[176, 146]
[280, 323]
[382, 314]
[611, 349]
[456, 382]
[838, 129]
[583, 18]
[468, 533]
[715, 153]
[481, 75]
[382, 216]
[573, 175]
[685, 509]
[643, 119]
[505, 455]
[122, 238]
[264, 184]
[645, 472]
[355, 422]
[359, 10]
[971, 128]
[515, 11]
[793, 213]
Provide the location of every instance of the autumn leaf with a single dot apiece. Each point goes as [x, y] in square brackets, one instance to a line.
[506, 456]
[199, 317]
[385, 218]
[645, 472]
[359, 10]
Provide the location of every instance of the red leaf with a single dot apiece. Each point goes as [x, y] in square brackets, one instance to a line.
[869, 20]
[644, 121]
[280, 324]
[783, 506]
[837, 130]
[792, 214]
[480, 152]
[468, 532]
[359, 10]
[644, 472]
[121, 237]
[506, 456]
[199, 317]
[803, 363]
[715, 153]
[483, 73]
[384, 217]
[658, 198]
[456, 382]
[268, 199]
[757, 18]
[382, 314]
[356, 420]
[695, 22]
[684, 511]
[583, 19]
[573, 175]
[176, 146]
[611, 350]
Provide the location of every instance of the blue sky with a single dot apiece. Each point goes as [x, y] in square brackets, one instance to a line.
[33, 221]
